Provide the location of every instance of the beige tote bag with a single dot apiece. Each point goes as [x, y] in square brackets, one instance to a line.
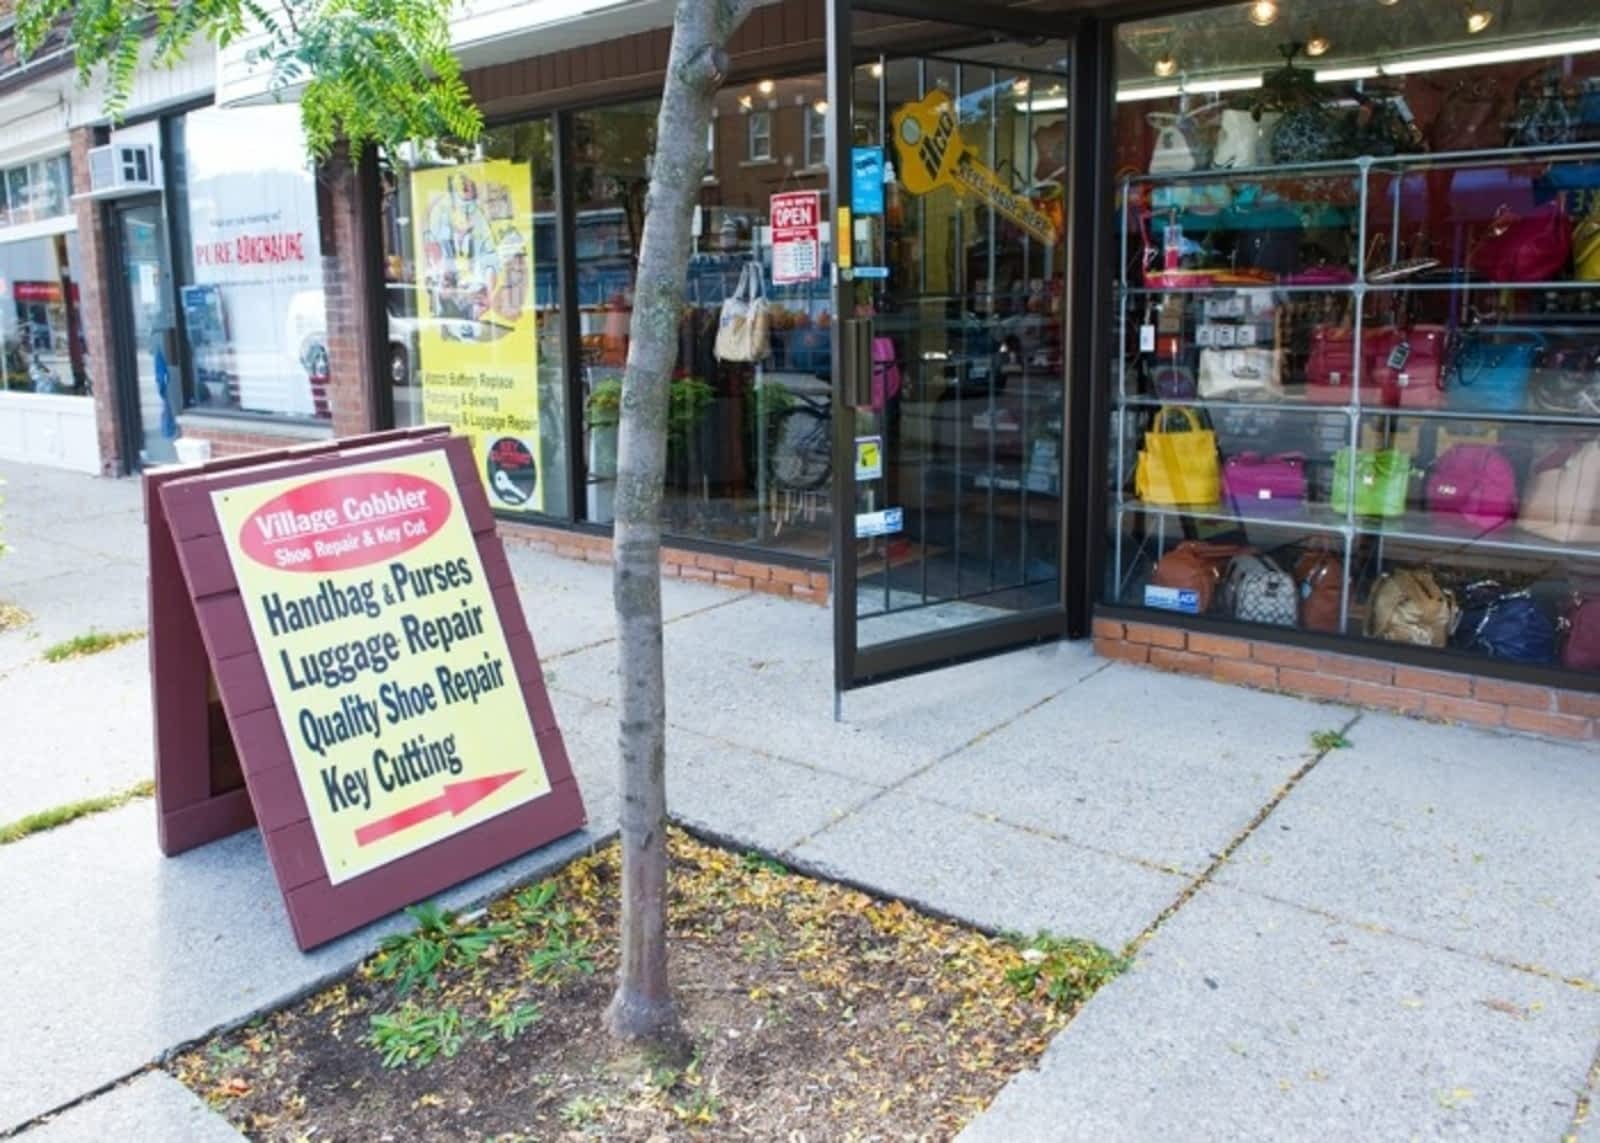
[1563, 500]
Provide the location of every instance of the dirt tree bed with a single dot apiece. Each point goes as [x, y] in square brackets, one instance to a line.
[816, 1013]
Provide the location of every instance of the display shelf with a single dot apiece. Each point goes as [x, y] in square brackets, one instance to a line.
[1455, 160]
[1416, 527]
[1300, 405]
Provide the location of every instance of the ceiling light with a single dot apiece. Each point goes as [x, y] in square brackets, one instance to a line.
[1388, 3]
[820, 107]
[1347, 74]
[1477, 18]
[765, 87]
[1049, 103]
[1021, 86]
[877, 70]
[1188, 87]
[1166, 66]
[1486, 58]
[1317, 44]
[1263, 12]
[746, 103]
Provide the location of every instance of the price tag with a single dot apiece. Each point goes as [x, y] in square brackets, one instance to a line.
[1147, 338]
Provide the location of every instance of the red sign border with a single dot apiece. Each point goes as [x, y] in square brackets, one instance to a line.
[191, 809]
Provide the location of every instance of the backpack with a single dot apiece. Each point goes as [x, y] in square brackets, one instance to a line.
[1259, 591]
[1409, 606]
[1504, 625]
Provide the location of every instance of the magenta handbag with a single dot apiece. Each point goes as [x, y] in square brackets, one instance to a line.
[1324, 275]
[1256, 485]
[1533, 248]
[885, 373]
[1474, 484]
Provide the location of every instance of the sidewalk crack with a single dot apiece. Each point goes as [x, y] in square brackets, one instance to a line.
[1221, 859]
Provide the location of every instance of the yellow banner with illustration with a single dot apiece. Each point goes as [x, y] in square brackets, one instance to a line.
[477, 330]
[391, 674]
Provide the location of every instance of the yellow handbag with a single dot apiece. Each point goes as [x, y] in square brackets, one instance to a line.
[1178, 468]
[1586, 248]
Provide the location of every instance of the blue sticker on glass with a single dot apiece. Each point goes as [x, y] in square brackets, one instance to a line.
[1172, 599]
[866, 180]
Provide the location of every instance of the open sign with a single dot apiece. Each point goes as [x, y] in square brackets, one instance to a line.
[796, 236]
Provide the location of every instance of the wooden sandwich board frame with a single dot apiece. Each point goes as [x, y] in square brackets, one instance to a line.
[219, 771]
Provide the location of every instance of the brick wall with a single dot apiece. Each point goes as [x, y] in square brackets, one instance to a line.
[92, 274]
[677, 563]
[237, 442]
[345, 282]
[1444, 695]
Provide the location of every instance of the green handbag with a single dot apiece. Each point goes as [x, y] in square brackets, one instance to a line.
[1381, 478]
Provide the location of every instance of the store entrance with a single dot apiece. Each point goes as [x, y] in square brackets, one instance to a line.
[151, 389]
[950, 308]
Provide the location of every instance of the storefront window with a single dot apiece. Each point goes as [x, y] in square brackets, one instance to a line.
[41, 329]
[249, 263]
[36, 191]
[1359, 302]
[748, 451]
[474, 329]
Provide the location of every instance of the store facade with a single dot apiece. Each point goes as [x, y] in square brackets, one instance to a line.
[1260, 341]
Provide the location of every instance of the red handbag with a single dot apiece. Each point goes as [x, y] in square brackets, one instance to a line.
[1407, 365]
[1331, 367]
[1533, 248]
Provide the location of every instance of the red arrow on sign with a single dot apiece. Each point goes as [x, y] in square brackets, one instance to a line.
[457, 799]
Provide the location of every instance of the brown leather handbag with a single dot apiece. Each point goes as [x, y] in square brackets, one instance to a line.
[1562, 502]
[1196, 566]
[1320, 577]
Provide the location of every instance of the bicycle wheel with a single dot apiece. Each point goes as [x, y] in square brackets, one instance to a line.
[802, 455]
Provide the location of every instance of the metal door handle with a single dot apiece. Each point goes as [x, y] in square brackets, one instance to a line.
[856, 350]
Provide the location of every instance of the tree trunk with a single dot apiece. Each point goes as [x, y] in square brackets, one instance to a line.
[643, 1008]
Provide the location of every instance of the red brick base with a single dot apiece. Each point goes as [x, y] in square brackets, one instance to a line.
[739, 575]
[1444, 695]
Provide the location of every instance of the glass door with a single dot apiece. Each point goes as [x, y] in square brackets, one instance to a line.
[950, 307]
[152, 388]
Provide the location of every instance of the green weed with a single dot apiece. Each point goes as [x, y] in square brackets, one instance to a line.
[415, 958]
[753, 862]
[1069, 970]
[582, 1110]
[72, 811]
[417, 1036]
[513, 1022]
[1326, 740]
[560, 956]
[91, 644]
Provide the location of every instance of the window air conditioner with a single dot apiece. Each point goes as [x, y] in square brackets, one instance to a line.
[121, 168]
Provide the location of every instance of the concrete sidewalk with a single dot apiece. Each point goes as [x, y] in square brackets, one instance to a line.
[1391, 940]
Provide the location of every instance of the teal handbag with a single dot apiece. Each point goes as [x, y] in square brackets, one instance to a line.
[1493, 376]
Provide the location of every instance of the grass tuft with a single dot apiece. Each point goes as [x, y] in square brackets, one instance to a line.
[93, 643]
[72, 811]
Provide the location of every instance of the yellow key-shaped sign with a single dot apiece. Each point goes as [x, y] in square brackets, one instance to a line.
[933, 154]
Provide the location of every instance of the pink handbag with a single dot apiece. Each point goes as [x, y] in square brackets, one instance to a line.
[1474, 484]
[1533, 248]
[885, 373]
[1256, 485]
[1416, 383]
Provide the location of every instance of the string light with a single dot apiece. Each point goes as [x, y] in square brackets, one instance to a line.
[1263, 12]
[1318, 44]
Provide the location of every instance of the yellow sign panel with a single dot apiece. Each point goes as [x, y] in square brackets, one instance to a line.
[477, 328]
[391, 674]
[933, 154]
